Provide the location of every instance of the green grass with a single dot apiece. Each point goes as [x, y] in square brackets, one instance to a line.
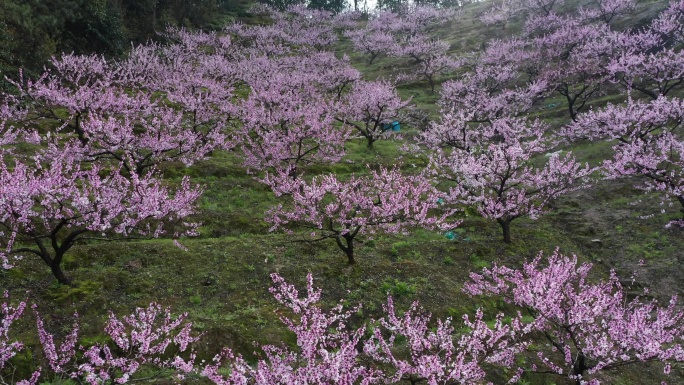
[222, 279]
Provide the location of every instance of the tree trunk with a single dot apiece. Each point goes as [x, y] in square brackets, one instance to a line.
[350, 251]
[565, 91]
[573, 114]
[59, 274]
[347, 246]
[79, 131]
[53, 263]
[579, 368]
[506, 228]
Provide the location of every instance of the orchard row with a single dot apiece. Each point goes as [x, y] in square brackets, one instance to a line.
[100, 130]
[591, 326]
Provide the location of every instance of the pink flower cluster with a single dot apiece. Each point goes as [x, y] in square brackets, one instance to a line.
[590, 326]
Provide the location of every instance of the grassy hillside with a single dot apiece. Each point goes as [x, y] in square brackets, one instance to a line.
[222, 279]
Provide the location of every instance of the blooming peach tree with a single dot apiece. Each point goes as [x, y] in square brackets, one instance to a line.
[591, 326]
[384, 200]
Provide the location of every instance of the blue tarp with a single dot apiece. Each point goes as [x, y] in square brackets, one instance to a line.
[394, 126]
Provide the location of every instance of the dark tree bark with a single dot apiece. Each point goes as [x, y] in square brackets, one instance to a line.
[347, 246]
[506, 228]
